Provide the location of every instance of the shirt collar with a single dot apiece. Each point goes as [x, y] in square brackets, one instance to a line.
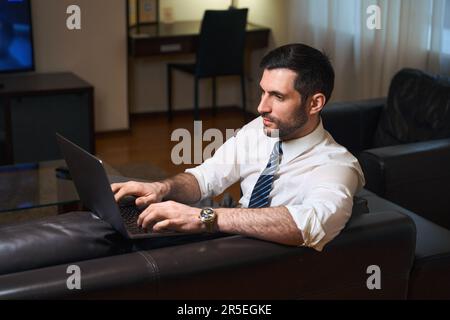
[295, 147]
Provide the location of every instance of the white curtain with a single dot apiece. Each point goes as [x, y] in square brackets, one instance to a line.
[365, 60]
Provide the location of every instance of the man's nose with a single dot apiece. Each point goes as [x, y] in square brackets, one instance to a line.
[264, 106]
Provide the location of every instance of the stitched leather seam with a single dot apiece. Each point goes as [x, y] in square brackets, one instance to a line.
[155, 273]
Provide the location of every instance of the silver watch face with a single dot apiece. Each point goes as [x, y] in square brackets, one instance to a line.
[207, 214]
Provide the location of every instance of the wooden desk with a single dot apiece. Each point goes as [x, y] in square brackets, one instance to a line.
[181, 37]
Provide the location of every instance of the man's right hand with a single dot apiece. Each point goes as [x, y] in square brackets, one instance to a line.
[146, 193]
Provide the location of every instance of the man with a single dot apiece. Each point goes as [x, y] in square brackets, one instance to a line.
[298, 192]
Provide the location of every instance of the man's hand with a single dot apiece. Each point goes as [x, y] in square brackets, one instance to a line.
[171, 216]
[146, 193]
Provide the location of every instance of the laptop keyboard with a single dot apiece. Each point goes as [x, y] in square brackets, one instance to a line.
[130, 215]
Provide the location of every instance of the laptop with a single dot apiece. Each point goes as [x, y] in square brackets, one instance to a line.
[94, 189]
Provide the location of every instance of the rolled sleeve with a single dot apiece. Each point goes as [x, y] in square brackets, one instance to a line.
[220, 171]
[202, 182]
[308, 223]
[327, 206]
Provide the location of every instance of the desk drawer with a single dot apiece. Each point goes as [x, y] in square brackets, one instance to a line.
[161, 46]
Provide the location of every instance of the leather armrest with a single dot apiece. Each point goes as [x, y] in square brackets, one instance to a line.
[415, 176]
[353, 124]
[238, 267]
[58, 239]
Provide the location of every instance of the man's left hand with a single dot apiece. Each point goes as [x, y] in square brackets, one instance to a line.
[171, 216]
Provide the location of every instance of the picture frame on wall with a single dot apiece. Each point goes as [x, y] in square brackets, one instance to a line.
[142, 12]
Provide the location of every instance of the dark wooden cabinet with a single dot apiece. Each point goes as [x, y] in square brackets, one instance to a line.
[33, 107]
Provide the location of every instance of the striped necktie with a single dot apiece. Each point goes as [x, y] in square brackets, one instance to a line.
[261, 191]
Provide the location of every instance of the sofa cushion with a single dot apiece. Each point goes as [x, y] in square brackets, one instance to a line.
[58, 239]
[417, 109]
[430, 275]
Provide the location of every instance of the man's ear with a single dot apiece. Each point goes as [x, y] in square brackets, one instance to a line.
[316, 103]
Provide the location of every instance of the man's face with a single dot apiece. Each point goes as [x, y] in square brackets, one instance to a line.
[281, 105]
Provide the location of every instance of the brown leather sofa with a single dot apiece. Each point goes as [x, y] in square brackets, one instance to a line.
[412, 253]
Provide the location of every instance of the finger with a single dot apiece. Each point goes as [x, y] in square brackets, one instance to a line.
[124, 191]
[146, 215]
[161, 226]
[142, 216]
[145, 201]
[116, 186]
[128, 188]
[149, 221]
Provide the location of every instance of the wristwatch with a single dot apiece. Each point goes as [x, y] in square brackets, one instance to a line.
[208, 216]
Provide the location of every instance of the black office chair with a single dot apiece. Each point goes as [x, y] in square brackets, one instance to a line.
[220, 53]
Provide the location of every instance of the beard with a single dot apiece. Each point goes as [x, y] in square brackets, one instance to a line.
[286, 128]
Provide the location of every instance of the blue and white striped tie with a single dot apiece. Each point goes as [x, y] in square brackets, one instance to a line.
[261, 191]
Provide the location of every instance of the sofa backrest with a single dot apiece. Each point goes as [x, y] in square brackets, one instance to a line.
[417, 109]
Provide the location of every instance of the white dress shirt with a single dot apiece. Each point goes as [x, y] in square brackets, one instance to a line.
[316, 179]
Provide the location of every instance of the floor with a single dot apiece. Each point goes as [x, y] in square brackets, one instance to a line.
[146, 148]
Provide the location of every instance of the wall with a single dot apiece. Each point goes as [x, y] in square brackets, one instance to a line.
[191, 9]
[269, 13]
[148, 75]
[273, 15]
[97, 53]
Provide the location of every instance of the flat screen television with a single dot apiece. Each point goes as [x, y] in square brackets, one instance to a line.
[16, 37]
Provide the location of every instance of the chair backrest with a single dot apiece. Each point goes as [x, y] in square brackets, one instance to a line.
[417, 109]
[221, 43]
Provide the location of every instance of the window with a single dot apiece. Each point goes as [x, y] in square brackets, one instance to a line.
[446, 31]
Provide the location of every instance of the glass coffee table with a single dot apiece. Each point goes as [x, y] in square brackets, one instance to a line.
[36, 185]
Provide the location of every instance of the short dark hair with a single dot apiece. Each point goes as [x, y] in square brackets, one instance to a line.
[315, 73]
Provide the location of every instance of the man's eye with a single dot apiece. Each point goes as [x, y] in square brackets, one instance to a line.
[280, 98]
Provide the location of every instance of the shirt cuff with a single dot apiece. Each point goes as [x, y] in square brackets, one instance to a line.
[309, 226]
